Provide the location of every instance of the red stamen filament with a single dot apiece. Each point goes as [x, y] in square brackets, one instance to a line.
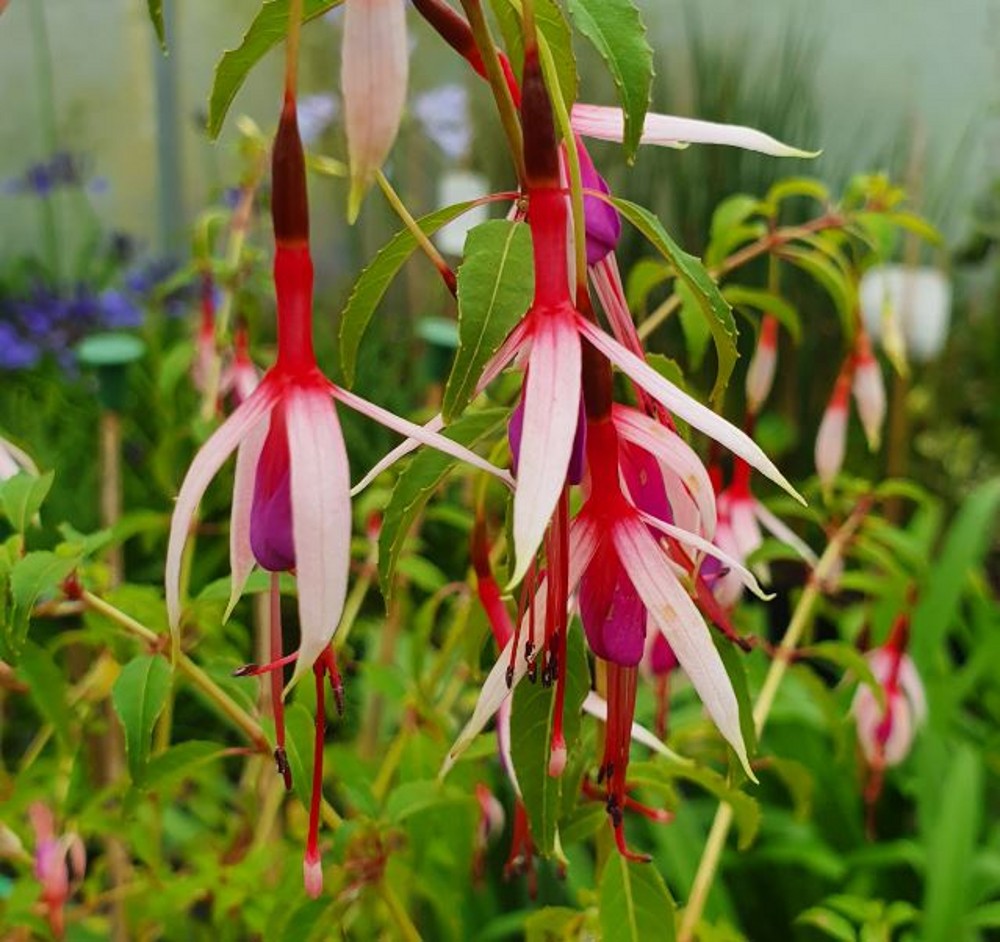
[312, 844]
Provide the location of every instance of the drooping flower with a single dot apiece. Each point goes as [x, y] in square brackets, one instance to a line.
[760, 373]
[869, 390]
[831, 439]
[13, 460]
[373, 79]
[291, 501]
[58, 861]
[240, 376]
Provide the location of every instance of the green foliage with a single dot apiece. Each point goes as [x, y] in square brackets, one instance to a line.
[139, 695]
[634, 903]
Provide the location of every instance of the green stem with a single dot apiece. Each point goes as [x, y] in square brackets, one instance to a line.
[198, 678]
[407, 930]
[709, 864]
[498, 83]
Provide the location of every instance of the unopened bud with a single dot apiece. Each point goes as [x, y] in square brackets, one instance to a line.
[831, 440]
[869, 392]
[760, 375]
[312, 876]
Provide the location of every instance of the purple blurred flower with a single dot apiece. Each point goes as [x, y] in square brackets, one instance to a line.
[16, 353]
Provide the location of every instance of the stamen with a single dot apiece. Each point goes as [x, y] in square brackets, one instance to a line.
[255, 670]
[278, 679]
[312, 867]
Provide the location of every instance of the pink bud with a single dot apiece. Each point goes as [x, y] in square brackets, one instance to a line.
[312, 875]
[869, 392]
[557, 757]
[886, 735]
[831, 440]
[760, 375]
[491, 813]
[373, 77]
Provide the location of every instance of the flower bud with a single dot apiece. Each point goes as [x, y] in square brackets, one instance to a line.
[373, 78]
[831, 440]
[760, 375]
[312, 876]
[869, 391]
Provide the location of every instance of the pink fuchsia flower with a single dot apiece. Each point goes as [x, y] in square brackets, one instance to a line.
[241, 376]
[373, 78]
[760, 374]
[205, 350]
[742, 520]
[886, 733]
[291, 499]
[14, 460]
[57, 861]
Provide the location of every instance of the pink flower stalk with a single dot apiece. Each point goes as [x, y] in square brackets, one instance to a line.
[831, 439]
[13, 460]
[57, 860]
[760, 374]
[869, 390]
[291, 501]
[373, 77]
[886, 733]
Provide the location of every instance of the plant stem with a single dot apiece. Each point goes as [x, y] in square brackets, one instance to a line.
[707, 867]
[407, 930]
[494, 73]
[766, 243]
[208, 687]
[425, 243]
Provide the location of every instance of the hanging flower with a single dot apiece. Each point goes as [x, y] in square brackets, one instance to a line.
[831, 439]
[760, 373]
[869, 390]
[373, 79]
[58, 860]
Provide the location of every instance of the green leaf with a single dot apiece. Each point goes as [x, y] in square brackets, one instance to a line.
[551, 923]
[849, 658]
[374, 281]
[48, 689]
[268, 29]
[31, 576]
[495, 287]
[555, 33]
[178, 761]
[412, 798]
[299, 739]
[965, 546]
[155, 8]
[951, 845]
[692, 273]
[22, 496]
[645, 275]
[767, 303]
[139, 695]
[419, 480]
[693, 326]
[733, 211]
[634, 903]
[531, 739]
[619, 35]
[830, 923]
[796, 186]
[830, 278]
[735, 664]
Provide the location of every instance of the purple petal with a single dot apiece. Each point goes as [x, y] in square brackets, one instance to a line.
[271, 511]
[602, 223]
[612, 613]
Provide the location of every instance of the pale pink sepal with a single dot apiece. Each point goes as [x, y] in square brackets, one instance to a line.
[582, 547]
[597, 706]
[676, 454]
[709, 549]
[831, 443]
[373, 78]
[908, 704]
[204, 467]
[608, 124]
[683, 405]
[321, 518]
[420, 434]
[404, 448]
[676, 616]
[241, 558]
[551, 417]
[14, 460]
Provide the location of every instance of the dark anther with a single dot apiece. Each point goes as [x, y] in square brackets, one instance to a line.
[510, 677]
[284, 769]
[247, 670]
[529, 649]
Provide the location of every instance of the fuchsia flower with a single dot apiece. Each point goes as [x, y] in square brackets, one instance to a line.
[760, 373]
[831, 439]
[869, 390]
[240, 376]
[57, 859]
[204, 341]
[291, 499]
[373, 77]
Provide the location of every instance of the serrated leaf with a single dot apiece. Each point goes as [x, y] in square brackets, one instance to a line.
[555, 32]
[155, 9]
[22, 495]
[692, 273]
[495, 287]
[531, 738]
[616, 29]
[178, 761]
[268, 29]
[634, 903]
[767, 302]
[139, 695]
[374, 281]
[419, 480]
[48, 689]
